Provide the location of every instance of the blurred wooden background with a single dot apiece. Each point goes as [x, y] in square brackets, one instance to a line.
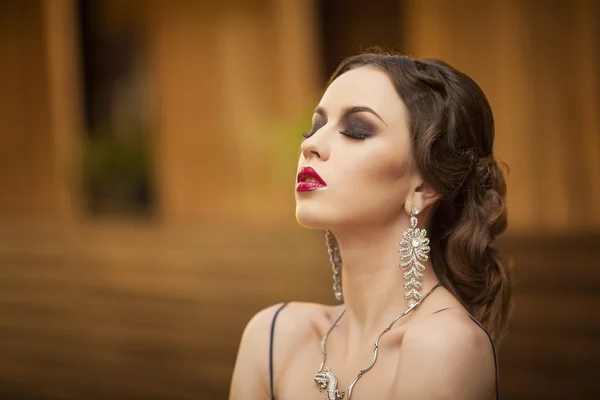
[140, 312]
[147, 158]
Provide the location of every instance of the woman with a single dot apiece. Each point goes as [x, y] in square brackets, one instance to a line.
[398, 169]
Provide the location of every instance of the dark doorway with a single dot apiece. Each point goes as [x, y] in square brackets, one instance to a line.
[116, 154]
[349, 27]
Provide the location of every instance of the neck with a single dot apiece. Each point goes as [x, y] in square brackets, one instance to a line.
[372, 280]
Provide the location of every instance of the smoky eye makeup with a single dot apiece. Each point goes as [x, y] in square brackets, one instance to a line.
[353, 125]
[358, 123]
[356, 127]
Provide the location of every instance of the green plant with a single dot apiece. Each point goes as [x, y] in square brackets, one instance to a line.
[115, 168]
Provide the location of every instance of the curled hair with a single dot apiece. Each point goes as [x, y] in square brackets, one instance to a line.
[452, 132]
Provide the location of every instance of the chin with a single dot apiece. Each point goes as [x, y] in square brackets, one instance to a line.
[311, 217]
[309, 221]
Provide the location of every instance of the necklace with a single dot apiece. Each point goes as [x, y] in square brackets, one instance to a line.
[327, 380]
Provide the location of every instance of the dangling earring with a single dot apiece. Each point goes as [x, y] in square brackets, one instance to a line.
[414, 250]
[336, 263]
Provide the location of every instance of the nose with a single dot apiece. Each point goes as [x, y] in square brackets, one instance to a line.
[315, 146]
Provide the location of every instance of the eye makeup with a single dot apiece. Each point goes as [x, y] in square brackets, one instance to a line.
[356, 127]
[353, 125]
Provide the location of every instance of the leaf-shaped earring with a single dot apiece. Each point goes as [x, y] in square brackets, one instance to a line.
[414, 251]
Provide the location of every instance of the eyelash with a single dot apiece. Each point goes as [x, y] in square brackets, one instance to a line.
[354, 135]
[351, 134]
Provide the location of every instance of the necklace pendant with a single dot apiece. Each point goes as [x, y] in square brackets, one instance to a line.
[327, 381]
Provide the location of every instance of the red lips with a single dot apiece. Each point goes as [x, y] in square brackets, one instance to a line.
[309, 180]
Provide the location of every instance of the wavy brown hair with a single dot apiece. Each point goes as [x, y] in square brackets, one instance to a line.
[452, 131]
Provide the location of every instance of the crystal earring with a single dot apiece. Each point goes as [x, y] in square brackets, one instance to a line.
[414, 251]
[336, 263]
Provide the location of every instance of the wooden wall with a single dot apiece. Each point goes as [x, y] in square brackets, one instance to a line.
[551, 350]
[26, 165]
[39, 109]
[113, 311]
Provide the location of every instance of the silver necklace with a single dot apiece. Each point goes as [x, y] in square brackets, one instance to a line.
[327, 380]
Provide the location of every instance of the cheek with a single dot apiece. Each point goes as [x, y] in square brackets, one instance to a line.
[380, 186]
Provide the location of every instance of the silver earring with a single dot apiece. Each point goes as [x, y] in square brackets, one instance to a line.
[414, 251]
[336, 263]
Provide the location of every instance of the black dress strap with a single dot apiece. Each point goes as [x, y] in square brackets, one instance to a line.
[271, 349]
[494, 352]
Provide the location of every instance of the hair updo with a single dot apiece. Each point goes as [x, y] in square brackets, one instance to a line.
[452, 132]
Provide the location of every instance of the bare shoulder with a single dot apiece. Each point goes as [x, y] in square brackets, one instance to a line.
[299, 318]
[451, 328]
[446, 355]
[299, 324]
[295, 321]
[251, 365]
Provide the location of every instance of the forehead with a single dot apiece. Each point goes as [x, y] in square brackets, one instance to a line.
[366, 86]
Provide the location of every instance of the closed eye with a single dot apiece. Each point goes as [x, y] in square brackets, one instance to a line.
[349, 133]
[354, 134]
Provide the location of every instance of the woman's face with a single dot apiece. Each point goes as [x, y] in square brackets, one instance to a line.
[359, 145]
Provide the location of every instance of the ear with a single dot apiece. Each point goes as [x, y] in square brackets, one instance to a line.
[422, 196]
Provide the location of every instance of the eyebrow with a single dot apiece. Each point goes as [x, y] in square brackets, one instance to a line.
[351, 110]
